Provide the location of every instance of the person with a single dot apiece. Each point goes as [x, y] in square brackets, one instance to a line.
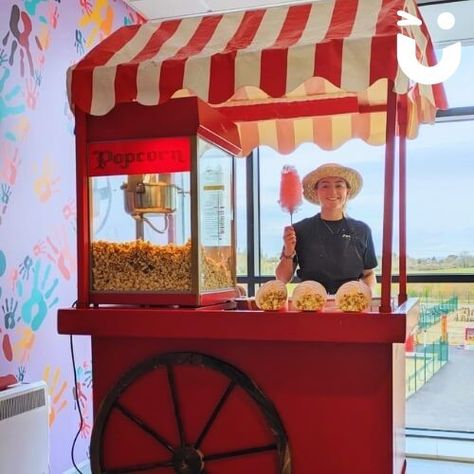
[330, 247]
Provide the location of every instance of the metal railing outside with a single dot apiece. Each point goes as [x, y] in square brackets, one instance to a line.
[424, 363]
[431, 314]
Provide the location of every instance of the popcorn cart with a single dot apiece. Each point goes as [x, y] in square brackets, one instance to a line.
[183, 381]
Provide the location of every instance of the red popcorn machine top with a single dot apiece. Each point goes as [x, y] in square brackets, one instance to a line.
[167, 237]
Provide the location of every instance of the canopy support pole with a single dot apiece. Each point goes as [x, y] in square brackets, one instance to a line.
[83, 209]
[386, 306]
[402, 214]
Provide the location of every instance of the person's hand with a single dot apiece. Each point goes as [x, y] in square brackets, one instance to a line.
[289, 239]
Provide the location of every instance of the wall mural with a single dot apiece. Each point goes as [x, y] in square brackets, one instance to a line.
[39, 40]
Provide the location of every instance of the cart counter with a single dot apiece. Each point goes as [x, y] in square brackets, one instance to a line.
[226, 391]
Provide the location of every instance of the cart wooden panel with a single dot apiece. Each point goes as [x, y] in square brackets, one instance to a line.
[336, 379]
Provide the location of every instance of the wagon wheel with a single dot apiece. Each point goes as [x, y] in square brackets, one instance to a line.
[184, 455]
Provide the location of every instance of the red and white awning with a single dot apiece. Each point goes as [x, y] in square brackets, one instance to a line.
[286, 75]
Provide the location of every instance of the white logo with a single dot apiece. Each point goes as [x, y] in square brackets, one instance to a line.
[406, 52]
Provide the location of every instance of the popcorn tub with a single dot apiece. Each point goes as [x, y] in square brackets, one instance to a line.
[271, 296]
[309, 296]
[353, 296]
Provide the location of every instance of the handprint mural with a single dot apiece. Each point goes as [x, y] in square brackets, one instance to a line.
[39, 40]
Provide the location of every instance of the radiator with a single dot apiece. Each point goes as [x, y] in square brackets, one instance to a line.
[24, 429]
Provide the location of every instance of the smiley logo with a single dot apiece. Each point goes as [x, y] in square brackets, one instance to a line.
[406, 52]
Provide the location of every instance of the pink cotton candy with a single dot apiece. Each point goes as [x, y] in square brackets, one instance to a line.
[290, 189]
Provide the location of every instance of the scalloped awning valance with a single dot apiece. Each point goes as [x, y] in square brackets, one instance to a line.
[315, 72]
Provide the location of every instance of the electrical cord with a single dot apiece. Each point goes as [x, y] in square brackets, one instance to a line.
[76, 394]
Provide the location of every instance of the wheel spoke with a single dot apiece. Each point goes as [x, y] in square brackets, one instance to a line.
[148, 429]
[239, 452]
[214, 414]
[174, 397]
[138, 468]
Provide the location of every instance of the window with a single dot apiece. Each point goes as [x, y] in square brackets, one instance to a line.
[458, 87]
[440, 170]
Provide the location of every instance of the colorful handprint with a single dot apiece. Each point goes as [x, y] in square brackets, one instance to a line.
[35, 309]
[20, 38]
[9, 313]
[56, 393]
[7, 347]
[69, 210]
[5, 193]
[44, 41]
[31, 93]
[5, 98]
[86, 6]
[101, 18]
[79, 396]
[21, 373]
[53, 15]
[9, 162]
[25, 345]
[25, 267]
[3, 263]
[84, 383]
[12, 279]
[45, 185]
[80, 42]
[59, 254]
[30, 6]
[3, 57]
[10, 319]
[19, 130]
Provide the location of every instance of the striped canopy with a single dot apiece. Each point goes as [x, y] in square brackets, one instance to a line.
[314, 72]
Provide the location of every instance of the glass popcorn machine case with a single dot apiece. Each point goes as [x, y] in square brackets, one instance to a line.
[160, 227]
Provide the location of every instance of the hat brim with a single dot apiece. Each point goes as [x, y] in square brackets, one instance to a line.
[351, 176]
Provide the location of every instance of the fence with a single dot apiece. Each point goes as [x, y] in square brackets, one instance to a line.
[428, 358]
[424, 363]
[431, 314]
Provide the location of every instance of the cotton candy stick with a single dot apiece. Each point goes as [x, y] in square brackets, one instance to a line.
[290, 190]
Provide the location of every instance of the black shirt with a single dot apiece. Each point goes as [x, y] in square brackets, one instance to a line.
[333, 252]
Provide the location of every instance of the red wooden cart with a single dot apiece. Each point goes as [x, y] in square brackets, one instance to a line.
[217, 390]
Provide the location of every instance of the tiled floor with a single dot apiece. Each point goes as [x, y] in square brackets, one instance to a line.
[422, 466]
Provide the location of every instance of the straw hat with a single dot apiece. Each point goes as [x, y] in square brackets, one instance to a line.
[334, 170]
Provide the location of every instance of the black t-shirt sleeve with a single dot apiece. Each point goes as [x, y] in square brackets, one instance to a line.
[370, 259]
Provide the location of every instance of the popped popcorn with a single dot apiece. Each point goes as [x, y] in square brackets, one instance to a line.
[143, 266]
[353, 301]
[309, 302]
[272, 300]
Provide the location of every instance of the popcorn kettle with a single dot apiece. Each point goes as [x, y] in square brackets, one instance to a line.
[150, 194]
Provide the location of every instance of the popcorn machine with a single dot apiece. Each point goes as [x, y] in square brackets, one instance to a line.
[168, 234]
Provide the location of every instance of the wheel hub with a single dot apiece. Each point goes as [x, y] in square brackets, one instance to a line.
[188, 460]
